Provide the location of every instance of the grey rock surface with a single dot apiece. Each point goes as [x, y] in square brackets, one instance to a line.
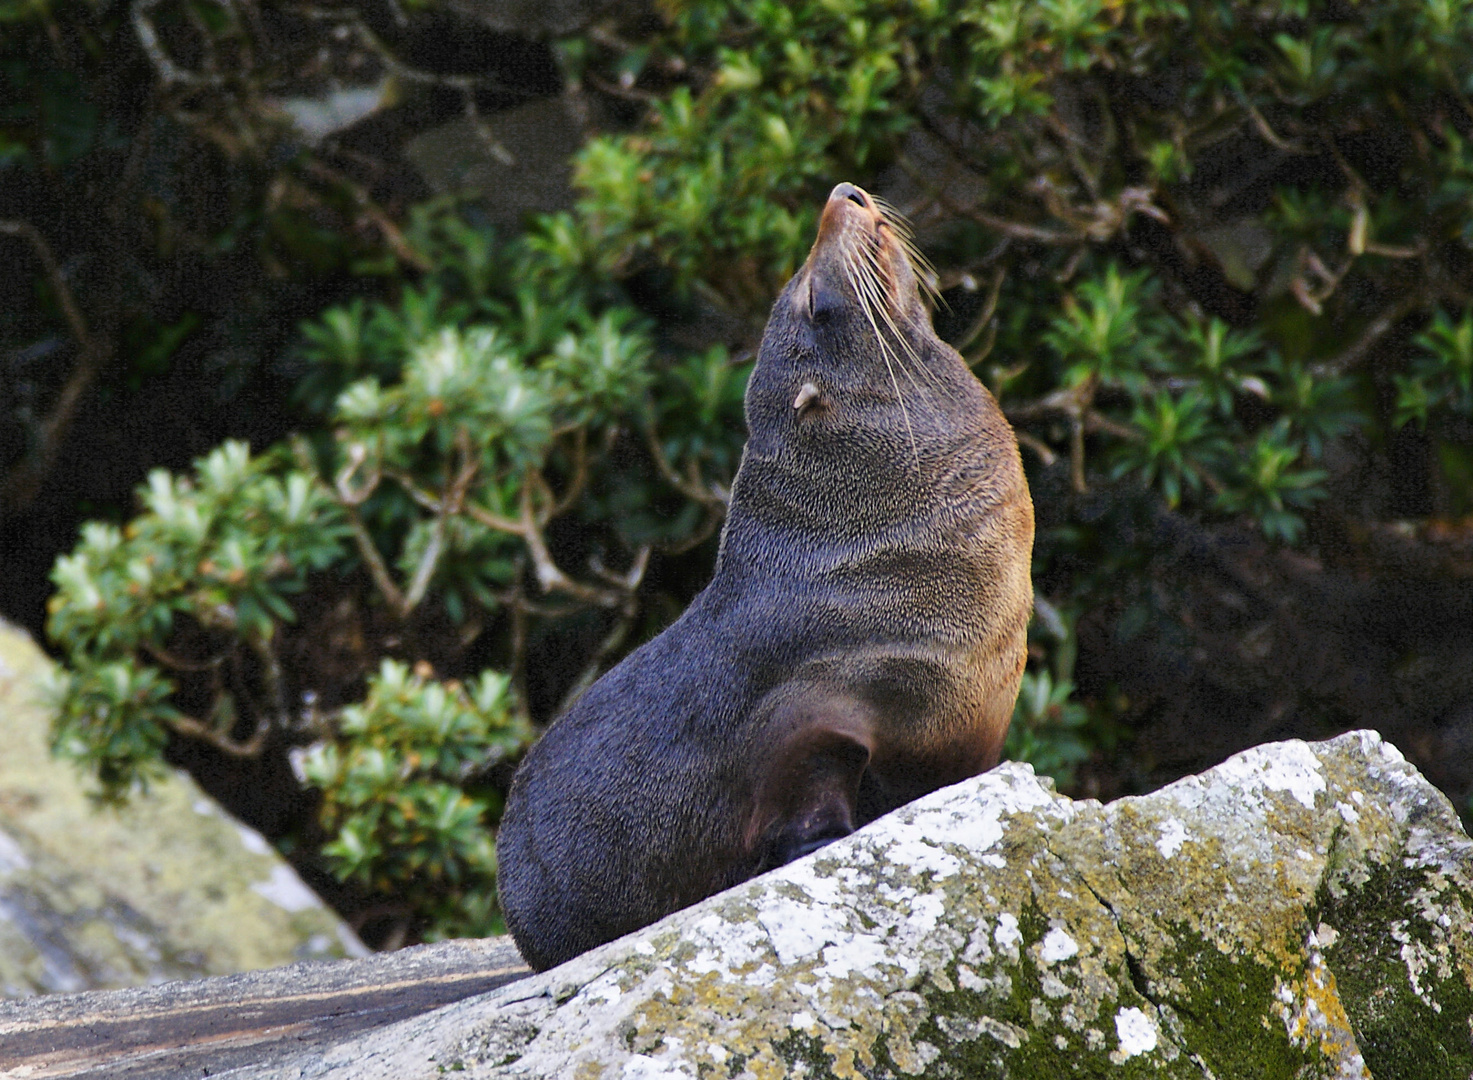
[168, 887]
[518, 160]
[537, 18]
[1299, 911]
[206, 1026]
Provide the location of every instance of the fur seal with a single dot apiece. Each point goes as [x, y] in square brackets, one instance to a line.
[860, 644]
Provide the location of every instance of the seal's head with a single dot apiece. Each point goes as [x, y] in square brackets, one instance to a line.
[851, 379]
[852, 326]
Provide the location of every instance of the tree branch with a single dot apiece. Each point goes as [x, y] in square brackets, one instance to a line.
[694, 488]
[20, 487]
[193, 729]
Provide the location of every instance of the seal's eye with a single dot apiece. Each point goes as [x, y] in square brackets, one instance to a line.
[823, 301]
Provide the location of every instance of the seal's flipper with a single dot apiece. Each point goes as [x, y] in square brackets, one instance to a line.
[808, 790]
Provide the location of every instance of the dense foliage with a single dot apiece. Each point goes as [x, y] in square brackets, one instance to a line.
[1213, 258]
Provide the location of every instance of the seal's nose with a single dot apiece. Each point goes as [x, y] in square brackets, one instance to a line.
[854, 194]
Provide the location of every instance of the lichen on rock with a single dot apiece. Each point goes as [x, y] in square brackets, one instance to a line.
[1303, 910]
[167, 887]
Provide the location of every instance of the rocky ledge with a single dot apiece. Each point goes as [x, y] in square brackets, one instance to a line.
[1301, 910]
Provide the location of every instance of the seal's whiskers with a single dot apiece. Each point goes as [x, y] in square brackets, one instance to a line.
[882, 298]
[866, 305]
[924, 271]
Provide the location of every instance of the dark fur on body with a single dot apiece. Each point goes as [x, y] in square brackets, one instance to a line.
[860, 643]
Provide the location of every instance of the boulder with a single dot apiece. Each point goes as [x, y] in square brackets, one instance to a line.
[1299, 911]
[207, 1026]
[167, 887]
[517, 161]
[1302, 910]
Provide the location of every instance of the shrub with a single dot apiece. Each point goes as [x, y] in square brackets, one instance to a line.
[1185, 244]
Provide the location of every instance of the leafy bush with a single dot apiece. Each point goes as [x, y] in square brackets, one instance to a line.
[1186, 246]
[393, 784]
[452, 454]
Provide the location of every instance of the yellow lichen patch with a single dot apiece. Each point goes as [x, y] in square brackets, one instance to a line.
[996, 929]
[1314, 1017]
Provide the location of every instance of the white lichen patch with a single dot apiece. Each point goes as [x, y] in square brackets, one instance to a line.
[1007, 935]
[642, 1067]
[253, 841]
[1136, 1033]
[1290, 767]
[994, 919]
[287, 891]
[12, 859]
[1173, 835]
[1057, 945]
[916, 836]
[1419, 960]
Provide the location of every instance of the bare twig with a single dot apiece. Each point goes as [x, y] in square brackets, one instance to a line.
[275, 683]
[451, 502]
[1269, 135]
[1375, 330]
[494, 521]
[1076, 453]
[1097, 421]
[422, 497]
[549, 575]
[629, 580]
[193, 729]
[1038, 446]
[350, 498]
[148, 38]
[709, 524]
[984, 317]
[574, 490]
[1017, 230]
[347, 494]
[628, 583]
[377, 569]
[1073, 144]
[466, 85]
[1075, 403]
[612, 640]
[23, 483]
[392, 234]
[625, 89]
[693, 488]
[178, 663]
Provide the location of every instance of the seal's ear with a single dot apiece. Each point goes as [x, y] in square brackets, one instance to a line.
[808, 789]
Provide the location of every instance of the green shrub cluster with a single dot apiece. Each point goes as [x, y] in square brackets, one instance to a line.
[394, 781]
[1198, 250]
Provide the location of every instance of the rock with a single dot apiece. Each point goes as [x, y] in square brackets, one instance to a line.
[1300, 910]
[537, 18]
[518, 160]
[168, 887]
[204, 1027]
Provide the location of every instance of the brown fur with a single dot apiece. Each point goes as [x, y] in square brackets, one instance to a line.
[860, 644]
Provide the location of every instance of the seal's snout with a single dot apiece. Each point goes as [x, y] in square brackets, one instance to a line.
[854, 194]
[850, 221]
[862, 259]
[847, 205]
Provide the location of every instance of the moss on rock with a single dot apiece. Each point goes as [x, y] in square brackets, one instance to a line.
[166, 887]
[1276, 917]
